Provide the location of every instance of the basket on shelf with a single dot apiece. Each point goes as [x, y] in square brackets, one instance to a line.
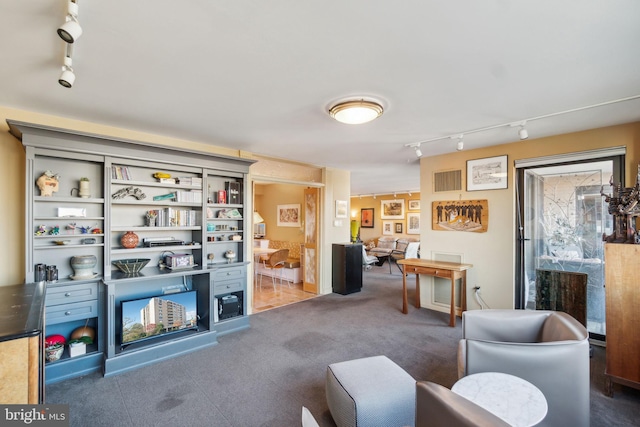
[131, 265]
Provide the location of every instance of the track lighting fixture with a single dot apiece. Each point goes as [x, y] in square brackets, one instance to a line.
[418, 151]
[71, 30]
[522, 133]
[67, 77]
[460, 145]
[356, 112]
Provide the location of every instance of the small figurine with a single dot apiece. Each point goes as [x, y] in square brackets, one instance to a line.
[85, 229]
[48, 183]
[41, 230]
[54, 231]
[72, 227]
[96, 231]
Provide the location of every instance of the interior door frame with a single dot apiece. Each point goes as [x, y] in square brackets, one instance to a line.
[615, 155]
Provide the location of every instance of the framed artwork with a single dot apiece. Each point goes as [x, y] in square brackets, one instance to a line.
[413, 223]
[387, 228]
[288, 215]
[414, 205]
[461, 215]
[366, 218]
[398, 227]
[487, 174]
[341, 208]
[392, 209]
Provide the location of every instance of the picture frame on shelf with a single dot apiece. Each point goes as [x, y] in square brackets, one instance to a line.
[489, 173]
[341, 208]
[288, 215]
[387, 228]
[398, 228]
[414, 205]
[367, 217]
[413, 223]
[392, 209]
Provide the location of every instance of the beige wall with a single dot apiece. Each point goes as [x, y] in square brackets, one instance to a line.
[368, 234]
[493, 253]
[267, 197]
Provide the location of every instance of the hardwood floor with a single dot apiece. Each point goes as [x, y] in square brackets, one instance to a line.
[268, 298]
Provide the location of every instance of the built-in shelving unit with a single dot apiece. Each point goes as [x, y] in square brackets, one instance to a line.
[197, 211]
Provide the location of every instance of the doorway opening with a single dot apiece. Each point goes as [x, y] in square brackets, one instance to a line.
[562, 218]
[286, 217]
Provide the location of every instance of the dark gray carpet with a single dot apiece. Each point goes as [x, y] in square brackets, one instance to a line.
[264, 375]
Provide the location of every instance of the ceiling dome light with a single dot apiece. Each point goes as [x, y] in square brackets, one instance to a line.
[356, 112]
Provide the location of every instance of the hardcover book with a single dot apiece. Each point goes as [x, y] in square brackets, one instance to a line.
[233, 192]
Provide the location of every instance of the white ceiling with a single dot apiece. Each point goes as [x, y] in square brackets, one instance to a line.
[260, 75]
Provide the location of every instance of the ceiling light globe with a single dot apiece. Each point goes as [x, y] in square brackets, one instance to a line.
[70, 31]
[356, 112]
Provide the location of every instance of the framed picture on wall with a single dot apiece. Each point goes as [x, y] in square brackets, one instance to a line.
[366, 217]
[487, 174]
[414, 205]
[413, 223]
[398, 226]
[288, 215]
[341, 208]
[387, 228]
[392, 209]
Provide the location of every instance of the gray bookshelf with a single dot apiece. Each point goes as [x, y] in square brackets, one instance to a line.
[114, 167]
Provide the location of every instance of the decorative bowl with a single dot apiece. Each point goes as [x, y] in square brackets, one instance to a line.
[54, 352]
[131, 265]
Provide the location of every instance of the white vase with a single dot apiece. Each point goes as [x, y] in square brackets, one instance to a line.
[85, 190]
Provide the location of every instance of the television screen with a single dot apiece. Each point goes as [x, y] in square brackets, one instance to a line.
[152, 317]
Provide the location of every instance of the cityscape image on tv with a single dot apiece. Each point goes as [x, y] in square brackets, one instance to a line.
[150, 317]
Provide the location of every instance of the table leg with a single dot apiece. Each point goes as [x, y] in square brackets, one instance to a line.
[417, 303]
[405, 303]
[452, 313]
[463, 292]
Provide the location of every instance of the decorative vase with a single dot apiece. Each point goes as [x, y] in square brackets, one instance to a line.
[85, 190]
[129, 240]
[83, 266]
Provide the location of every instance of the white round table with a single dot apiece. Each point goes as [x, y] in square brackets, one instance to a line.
[516, 401]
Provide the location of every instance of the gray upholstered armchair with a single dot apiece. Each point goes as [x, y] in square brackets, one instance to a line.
[549, 349]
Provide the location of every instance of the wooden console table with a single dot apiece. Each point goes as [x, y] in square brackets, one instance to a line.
[445, 270]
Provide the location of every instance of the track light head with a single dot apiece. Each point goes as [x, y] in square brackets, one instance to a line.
[460, 145]
[67, 78]
[418, 151]
[71, 30]
[522, 133]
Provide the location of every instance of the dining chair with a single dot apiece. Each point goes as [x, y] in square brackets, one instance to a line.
[273, 263]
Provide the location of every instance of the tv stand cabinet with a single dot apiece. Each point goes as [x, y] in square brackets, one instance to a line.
[197, 211]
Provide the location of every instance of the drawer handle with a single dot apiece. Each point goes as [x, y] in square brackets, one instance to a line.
[67, 313]
[68, 294]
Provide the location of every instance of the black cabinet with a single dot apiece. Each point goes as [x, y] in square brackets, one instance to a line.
[347, 268]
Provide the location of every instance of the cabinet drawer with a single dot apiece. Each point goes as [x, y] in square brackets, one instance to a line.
[69, 312]
[228, 273]
[226, 286]
[430, 271]
[71, 293]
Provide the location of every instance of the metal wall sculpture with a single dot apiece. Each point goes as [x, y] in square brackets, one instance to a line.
[623, 205]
